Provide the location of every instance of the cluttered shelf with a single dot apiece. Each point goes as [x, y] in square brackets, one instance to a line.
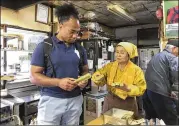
[97, 32]
[95, 29]
[92, 39]
[84, 20]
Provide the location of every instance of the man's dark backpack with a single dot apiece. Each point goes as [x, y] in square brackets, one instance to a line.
[48, 45]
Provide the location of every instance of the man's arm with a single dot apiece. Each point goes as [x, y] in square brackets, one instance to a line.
[37, 68]
[85, 69]
[37, 78]
[173, 65]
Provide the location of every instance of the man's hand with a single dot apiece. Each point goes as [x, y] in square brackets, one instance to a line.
[124, 88]
[173, 95]
[82, 84]
[67, 84]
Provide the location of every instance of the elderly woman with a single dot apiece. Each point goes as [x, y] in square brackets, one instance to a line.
[124, 79]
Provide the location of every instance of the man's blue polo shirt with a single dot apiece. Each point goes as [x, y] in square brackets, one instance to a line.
[66, 64]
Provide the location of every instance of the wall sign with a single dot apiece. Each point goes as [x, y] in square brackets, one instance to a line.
[171, 17]
[42, 13]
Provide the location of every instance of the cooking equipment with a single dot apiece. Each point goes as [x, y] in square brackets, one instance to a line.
[5, 113]
[23, 98]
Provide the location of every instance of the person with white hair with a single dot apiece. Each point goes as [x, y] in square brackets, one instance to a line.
[159, 101]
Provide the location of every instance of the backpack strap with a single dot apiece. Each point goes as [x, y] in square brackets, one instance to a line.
[81, 53]
[48, 44]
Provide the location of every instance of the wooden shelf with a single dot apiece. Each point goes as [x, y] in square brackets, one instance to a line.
[16, 50]
[12, 36]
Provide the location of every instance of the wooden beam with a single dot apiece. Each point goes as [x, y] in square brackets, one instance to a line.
[123, 26]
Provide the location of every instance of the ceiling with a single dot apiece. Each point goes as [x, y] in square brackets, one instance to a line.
[143, 11]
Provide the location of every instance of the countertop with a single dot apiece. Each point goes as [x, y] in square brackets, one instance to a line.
[21, 97]
[28, 96]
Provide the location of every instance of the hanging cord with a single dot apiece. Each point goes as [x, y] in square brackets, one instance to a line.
[18, 119]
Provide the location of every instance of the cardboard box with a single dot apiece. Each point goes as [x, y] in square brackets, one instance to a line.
[117, 117]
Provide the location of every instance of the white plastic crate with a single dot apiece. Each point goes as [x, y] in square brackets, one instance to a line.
[93, 106]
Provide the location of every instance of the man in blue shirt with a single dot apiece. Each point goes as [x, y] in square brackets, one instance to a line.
[162, 72]
[61, 99]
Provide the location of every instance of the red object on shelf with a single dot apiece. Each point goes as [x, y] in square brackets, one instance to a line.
[159, 13]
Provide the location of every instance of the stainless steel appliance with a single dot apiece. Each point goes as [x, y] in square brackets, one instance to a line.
[23, 99]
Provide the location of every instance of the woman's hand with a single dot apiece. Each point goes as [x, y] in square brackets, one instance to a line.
[124, 88]
[98, 77]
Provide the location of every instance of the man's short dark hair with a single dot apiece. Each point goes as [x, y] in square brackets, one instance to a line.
[65, 12]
